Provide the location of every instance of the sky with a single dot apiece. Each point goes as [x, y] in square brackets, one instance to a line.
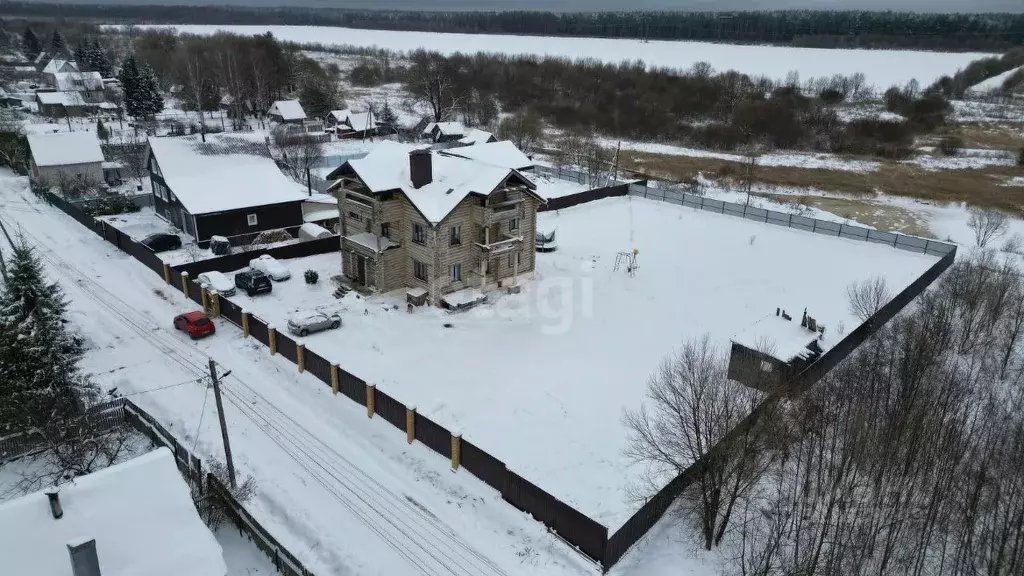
[598, 5]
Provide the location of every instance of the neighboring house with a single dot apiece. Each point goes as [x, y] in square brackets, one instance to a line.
[65, 156]
[57, 66]
[287, 111]
[227, 185]
[477, 137]
[8, 100]
[322, 210]
[348, 124]
[132, 518]
[420, 219]
[503, 154]
[88, 84]
[773, 350]
[438, 132]
[62, 104]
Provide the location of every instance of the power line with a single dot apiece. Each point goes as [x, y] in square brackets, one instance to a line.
[202, 412]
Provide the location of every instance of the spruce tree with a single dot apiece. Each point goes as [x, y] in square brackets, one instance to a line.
[387, 116]
[82, 58]
[98, 61]
[42, 386]
[57, 44]
[130, 81]
[31, 43]
[101, 131]
[152, 101]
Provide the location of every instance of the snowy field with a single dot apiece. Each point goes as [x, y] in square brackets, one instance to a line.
[994, 83]
[346, 494]
[882, 68]
[555, 366]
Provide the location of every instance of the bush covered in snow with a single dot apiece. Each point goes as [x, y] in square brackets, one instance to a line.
[311, 276]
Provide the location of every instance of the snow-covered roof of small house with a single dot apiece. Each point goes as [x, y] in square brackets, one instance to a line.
[477, 136]
[777, 337]
[226, 172]
[78, 81]
[339, 116]
[288, 110]
[61, 98]
[451, 128]
[362, 121]
[140, 513]
[319, 207]
[386, 168]
[64, 148]
[503, 154]
[58, 65]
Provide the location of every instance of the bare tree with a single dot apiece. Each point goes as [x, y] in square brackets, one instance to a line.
[987, 225]
[750, 159]
[691, 406]
[213, 505]
[431, 81]
[867, 297]
[300, 151]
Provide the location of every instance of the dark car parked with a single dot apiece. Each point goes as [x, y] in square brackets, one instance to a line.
[253, 282]
[161, 242]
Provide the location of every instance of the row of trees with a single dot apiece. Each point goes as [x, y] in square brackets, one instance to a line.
[800, 28]
[908, 458]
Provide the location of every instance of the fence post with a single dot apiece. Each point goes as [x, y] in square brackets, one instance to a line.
[790, 225]
[334, 378]
[245, 323]
[369, 399]
[814, 224]
[167, 273]
[300, 356]
[206, 300]
[272, 338]
[410, 424]
[456, 450]
[184, 283]
[215, 303]
[840, 229]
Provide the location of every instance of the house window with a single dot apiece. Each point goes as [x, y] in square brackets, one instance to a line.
[513, 225]
[418, 235]
[419, 270]
[513, 259]
[455, 238]
[385, 229]
[456, 272]
[355, 216]
[251, 219]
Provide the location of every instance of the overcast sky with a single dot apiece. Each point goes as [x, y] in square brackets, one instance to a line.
[595, 5]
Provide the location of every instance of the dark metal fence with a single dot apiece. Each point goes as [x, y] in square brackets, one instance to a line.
[825, 227]
[433, 436]
[286, 347]
[484, 466]
[239, 260]
[195, 292]
[258, 330]
[389, 409]
[352, 387]
[575, 527]
[317, 366]
[584, 197]
[231, 311]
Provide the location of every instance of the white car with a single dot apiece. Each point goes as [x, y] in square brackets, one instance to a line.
[271, 267]
[216, 281]
[305, 323]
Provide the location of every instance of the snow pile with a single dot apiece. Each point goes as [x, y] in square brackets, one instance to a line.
[140, 513]
[65, 148]
[994, 83]
[882, 68]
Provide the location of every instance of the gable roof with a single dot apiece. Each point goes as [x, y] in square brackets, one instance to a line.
[339, 115]
[504, 154]
[61, 98]
[288, 110]
[227, 172]
[78, 81]
[140, 513]
[450, 128]
[56, 65]
[477, 137]
[386, 168]
[360, 121]
[64, 148]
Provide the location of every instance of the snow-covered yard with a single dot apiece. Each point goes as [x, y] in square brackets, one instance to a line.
[882, 68]
[543, 376]
[965, 159]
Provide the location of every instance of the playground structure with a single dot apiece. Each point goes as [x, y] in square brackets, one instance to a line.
[627, 260]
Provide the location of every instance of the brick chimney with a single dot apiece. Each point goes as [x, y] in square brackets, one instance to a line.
[421, 169]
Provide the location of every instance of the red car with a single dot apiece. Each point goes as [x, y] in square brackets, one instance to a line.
[195, 324]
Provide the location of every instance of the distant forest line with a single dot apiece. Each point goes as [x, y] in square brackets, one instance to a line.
[806, 28]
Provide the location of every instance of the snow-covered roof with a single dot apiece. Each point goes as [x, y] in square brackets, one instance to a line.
[288, 110]
[386, 167]
[314, 231]
[362, 121]
[227, 172]
[140, 513]
[371, 241]
[429, 128]
[64, 148]
[451, 128]
[61, 98]
[777, 337]
[503, 154]
[58, 65]
[318, 212]
[339, 115]
[78, 81]
[476, 136]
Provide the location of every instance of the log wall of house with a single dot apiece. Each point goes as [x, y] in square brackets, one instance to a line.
[420, 252]
[467, 215]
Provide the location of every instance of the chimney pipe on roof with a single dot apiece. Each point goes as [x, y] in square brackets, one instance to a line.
[84, 561]
[420, 168]
[54, 496]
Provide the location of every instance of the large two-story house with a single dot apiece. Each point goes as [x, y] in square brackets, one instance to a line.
[434, 223]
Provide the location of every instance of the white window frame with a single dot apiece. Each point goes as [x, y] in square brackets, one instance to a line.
[252, 219]
[456, 273]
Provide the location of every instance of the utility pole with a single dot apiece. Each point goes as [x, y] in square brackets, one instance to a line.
[223, 424]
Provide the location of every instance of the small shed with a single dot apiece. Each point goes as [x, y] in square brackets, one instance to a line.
[65, 156]
[287, 112]
[62, 104]
[773, 350]
[476, 136]
[439, 132]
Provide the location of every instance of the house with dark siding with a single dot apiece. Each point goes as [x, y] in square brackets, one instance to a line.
[221, 185]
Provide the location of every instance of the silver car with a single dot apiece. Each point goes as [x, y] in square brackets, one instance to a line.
[310, 322]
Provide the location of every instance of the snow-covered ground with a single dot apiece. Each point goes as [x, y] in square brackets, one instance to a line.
[998, 110]
[555, 366]
[791, 159]
[882, 68]
[344, 493]
[965, 159]
[994, 83]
